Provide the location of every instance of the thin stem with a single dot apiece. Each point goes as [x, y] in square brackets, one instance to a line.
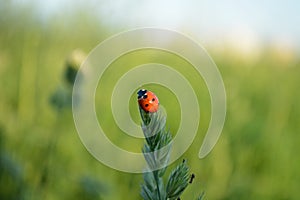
[155, 173]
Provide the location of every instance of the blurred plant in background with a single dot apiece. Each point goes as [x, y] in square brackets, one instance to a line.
[62, 97]
[11, 174]
[60, 100]
[255, 158]
[88, 187]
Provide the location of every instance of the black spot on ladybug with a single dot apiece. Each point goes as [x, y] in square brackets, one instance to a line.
[145, 96]
[153, 99]
[146, 105]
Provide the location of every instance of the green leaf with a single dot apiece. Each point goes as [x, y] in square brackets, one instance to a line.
[149, 190]
[201, 197]
[178, 181]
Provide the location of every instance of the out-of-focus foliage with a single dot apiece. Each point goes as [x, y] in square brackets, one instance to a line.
[42, 156]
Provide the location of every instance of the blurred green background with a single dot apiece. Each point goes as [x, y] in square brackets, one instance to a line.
[42, 157]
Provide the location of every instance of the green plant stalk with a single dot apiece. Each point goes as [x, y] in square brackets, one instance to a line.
[156, 178]
[156, 136]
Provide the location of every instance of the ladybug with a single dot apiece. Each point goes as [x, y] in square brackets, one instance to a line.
[148, 101]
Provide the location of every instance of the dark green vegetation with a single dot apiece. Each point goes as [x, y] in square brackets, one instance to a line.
[156, 137]
[41, 154]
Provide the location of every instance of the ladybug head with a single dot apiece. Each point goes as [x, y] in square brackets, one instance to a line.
[142, 93]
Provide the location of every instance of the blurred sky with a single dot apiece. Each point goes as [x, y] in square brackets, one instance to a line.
[249, 22]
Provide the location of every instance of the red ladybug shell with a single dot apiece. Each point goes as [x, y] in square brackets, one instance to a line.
[148, 101]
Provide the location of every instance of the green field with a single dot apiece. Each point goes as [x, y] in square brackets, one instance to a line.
[42, 156]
